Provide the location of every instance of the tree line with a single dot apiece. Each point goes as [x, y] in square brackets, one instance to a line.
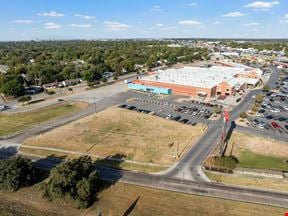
[38, 63]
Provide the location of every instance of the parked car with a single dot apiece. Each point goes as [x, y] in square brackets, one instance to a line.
[123, 106]
[275, 125]
[184, 121]
[282, 119]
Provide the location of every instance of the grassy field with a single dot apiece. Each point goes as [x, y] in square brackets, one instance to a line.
[12, 123]
[117, 199]
[258, 182]
[249, 159]
[114, 131]
[258, 152]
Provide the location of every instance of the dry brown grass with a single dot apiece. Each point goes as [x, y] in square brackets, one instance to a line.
[258, 182]
[139, 136]
[256, 144]
[119, 197]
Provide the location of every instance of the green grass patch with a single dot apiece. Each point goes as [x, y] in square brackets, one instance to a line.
[248, 159]
[228, 162]
[16, 122]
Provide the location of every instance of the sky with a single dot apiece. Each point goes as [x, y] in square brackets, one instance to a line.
[111, 19]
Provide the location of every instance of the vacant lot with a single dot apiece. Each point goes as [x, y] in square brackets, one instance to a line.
[134, 136]
[258, 152]
[11, 123]
[117, 199]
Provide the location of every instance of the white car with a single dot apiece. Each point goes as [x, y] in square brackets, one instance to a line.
[259, 114]
[285, 107]
[169, 116]
[202, 110]
[275, 110]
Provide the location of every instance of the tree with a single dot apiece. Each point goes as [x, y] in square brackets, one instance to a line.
[16, 172]
[13, 87]
[266, 88]
[172, 59]
[91, 76]
[73, 179]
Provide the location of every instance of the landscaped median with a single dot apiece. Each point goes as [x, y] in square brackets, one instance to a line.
[141, 141]
[12, 123]
[251, 161]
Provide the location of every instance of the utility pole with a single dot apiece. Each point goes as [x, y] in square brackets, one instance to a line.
[95, 104]
[223, 135]
[178, 147]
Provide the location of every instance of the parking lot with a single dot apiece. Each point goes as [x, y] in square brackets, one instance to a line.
[273, 114]
[191, 112]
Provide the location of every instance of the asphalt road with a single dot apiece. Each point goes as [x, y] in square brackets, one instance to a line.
[236, 193]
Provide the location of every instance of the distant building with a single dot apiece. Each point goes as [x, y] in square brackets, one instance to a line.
[67, 83]
[210, 82]
[62, 84]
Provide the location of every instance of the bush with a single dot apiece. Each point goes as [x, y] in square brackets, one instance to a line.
[24, 99]
[115, 77]
[217, 110]
[50, 92]
[243, 115]
[255, 108]
[70, 89]
[266, 88]
[104, 80]
[259, 99]
[73, 179]
[15, 173]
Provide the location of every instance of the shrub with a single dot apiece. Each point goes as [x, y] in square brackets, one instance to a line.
[50, 92]
[104, 80]
[243, 115]
[266, 88]
[259, 99]
[24, 99]
[255, 108]
[217, 110]
[115, 77]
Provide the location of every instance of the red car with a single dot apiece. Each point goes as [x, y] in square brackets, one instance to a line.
[275, 125]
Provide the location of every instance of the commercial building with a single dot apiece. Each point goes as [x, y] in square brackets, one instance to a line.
[208, 82]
